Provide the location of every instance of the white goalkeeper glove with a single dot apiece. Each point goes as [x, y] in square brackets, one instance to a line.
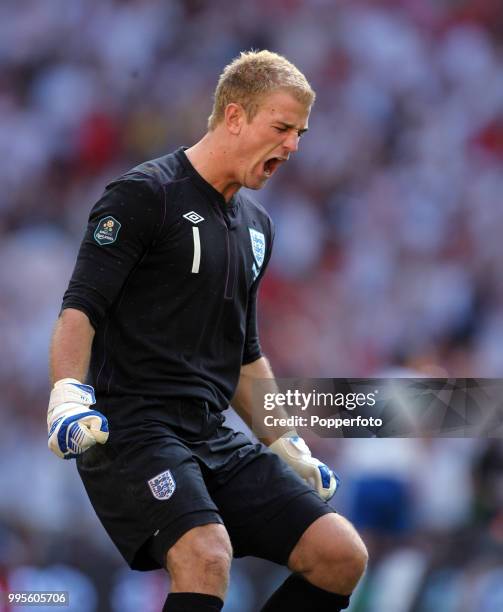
[296, 453]
[73, 427]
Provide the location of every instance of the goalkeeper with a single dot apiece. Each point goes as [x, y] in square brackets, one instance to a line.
[160, 319]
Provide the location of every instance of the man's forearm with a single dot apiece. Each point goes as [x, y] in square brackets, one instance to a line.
[71, 346]
[72, 423]
[245, 401]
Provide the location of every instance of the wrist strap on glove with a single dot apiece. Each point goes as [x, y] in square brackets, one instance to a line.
[71, 390]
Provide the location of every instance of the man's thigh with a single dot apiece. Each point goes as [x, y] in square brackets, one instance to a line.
[266, 507]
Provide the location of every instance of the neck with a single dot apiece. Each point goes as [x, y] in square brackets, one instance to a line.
[212, 159]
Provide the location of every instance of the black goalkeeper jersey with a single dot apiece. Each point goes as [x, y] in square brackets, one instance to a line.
[168, 274]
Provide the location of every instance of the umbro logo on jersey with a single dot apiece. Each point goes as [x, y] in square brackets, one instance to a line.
[193, 217]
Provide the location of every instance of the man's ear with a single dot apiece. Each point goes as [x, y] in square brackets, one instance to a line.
[234, 118]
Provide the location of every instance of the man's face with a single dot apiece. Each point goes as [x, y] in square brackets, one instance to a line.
[269, 139]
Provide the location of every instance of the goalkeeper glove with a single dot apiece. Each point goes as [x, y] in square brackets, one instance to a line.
[73, 427]
[296, 453]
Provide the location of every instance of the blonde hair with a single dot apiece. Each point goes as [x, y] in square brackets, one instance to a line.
[252, 75]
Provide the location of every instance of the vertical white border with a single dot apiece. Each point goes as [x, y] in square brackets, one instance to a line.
[197, 250]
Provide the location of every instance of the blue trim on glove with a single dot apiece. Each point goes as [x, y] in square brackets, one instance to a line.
[86, 389]
[54, 425]
[325, 476]
[62, 433]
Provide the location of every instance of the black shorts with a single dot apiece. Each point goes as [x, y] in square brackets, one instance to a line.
[171, 465]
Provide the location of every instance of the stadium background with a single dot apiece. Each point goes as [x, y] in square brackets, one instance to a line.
[387, 260]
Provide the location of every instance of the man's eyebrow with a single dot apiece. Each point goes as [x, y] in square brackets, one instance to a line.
[291, 126]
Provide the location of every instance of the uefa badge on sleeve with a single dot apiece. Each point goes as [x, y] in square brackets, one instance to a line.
[107, 231]
[163, 485]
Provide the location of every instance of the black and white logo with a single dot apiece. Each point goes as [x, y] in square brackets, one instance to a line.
[107, 230]
[163, 485]
[258, 246]
[193, 217]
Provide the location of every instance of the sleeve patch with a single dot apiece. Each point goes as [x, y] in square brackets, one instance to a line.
[107, 230]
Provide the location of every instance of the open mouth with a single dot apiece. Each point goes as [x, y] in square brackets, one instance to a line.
[270, 165]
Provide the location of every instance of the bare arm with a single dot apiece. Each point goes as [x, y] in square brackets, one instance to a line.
[243, 401]
[72, 423]
[71, 346]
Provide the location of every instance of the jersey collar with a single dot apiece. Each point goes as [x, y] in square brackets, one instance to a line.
[213, 193]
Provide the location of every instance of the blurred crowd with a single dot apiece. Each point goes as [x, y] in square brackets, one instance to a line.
[386, 261]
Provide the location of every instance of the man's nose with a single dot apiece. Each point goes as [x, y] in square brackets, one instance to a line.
[292, 142]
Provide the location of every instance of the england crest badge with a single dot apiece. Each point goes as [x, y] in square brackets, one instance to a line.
[163, 485]
[258, 246]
